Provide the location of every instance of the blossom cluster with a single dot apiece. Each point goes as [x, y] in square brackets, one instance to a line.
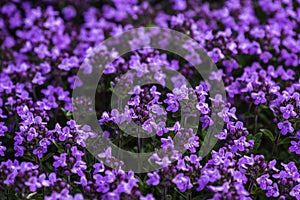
[254, 44]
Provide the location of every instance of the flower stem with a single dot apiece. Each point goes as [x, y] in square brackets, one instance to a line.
[255, 119]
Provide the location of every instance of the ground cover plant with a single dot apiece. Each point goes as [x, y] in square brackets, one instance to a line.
[255, 46]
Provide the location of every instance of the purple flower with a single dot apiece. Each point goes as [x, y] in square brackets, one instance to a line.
[172, 102]
[2, 149]
[33, 183]
[242, 144]
[147, 197]
[206, 121]
[99, 167]
[177, 20]
[259, 97]
[202, 182]
[181, 165]
[272, 191]
[79, 167]
[264, 181]
[43, 181]
[288, 111]
[182, 182]
[60, 161]
[39, 151]
[69, 12]
[3, 128]
[295, 147]
[285, 127]
[223, 188]
[31, 134]
[42, 51]
[192, 143]
[83, 181]
[216, 55]
[222, 135]
[76, 153]
[295, 192]
[106, 154]
[203, 108]
[265, 56]
[109, 177]
[166, 142]
[153, 178]
[19, 150]
[38, 79]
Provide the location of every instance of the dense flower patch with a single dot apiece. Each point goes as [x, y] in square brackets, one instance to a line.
[254, 44]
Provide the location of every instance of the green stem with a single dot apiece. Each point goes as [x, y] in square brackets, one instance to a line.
[189, 196]
[139, 149]
[276, 142]
[165, 193]
[255, 119]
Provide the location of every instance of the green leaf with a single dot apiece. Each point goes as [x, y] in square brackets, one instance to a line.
[284, 141]
[257, 140]
[30, 158]
[257, 136]
[68, 114]
[31, 195]
[268, 133]
[49, 155]
[49, 166]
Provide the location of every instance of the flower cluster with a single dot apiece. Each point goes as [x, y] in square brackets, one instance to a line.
[254, 44]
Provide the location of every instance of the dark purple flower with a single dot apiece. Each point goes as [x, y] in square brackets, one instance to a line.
[285, 127]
